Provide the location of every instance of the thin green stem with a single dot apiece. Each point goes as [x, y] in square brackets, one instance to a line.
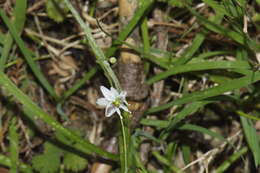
[124, 144]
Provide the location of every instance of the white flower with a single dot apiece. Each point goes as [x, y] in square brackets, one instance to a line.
[113, 101]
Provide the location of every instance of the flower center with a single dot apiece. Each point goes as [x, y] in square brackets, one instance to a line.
[117, 102]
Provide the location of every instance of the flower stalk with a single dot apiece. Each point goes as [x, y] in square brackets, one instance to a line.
[115, 102]
[111, 107]
[125, 155]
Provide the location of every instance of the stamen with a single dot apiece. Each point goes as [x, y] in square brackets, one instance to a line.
[117, 102]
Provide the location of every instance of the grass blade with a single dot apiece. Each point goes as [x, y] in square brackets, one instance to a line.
[248, 116]
[251, 138]
[2, 38]
[192, 127]
[20, 14]
[6, 49]
[14, 146]
[19, 20]
[238, 37]
[166, 162]
[188, 55]
[207, 55]
[208, 65]
[227, 163]
[187, 110]
[214, 91]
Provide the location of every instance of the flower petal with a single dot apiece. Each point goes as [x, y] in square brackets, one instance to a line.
[114, 91]
[118, 111]
[124, 108]
[102, 102]
[123, 97]
[123, 94]
[107, 93]
[110, 110]
[125, 102]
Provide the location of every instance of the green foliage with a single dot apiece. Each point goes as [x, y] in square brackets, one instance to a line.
[73, 162]
[19, 21]
[234, 9]
[252, 139]
[5, 161]
[256, 17]
[200, 66]
[14, 145]
[215, 5]
[179, 3]
[52, 156]
[171, 150]
[166, 162]
[46, 163]
[186, 152]
[234, 157]
[56, 10]
[49, 161]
